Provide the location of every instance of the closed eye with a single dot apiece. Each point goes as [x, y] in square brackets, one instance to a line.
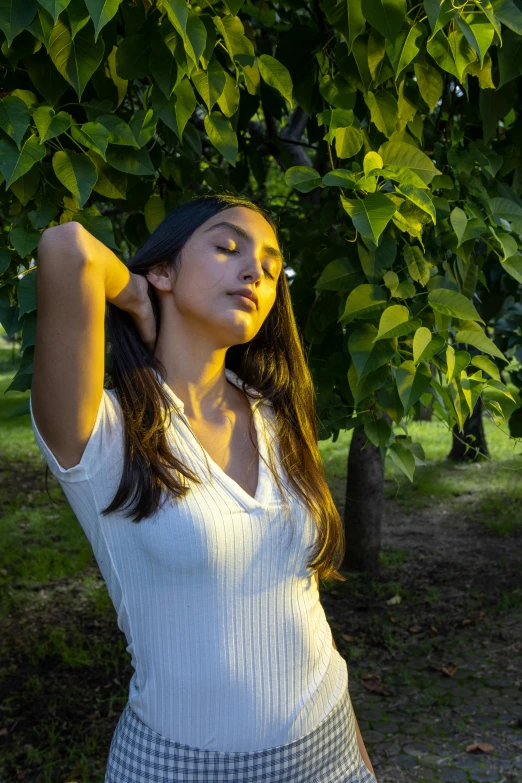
[227, 250]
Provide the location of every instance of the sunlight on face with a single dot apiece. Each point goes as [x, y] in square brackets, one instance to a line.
[235, 249]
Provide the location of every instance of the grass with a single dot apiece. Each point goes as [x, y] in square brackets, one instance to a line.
[67, 669]
[489, 491]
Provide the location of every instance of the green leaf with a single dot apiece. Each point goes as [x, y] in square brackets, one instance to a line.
[507, 12]
[236, 42]
[513, 266]
[50, 124]
[24, 239]
[222, 135]
[462, 52]
[75, 59]
[119, 131]
[184, 106]
[398, 153]
[92, 135]
[368, 356]
[356, 22]
[510, 58]
[334, 119]
[378, 432]
[386, 16]
[365, 301]
[14, 117]
[430, 82]
[412, 381]
[395, 322]
[507, 210]
[439, 48]
[302, 178]
[487, 365]
[459, 220]
[411, 48]
[77, 173]
[507, 241]
[348, 141]
[403, 175]
[154, 212]
[177, 12]
[402, 458]
[210, 83]
[483, 31]
[14, 163]
[370, 215]
[135, 162]
[196, 39]
[426, 345]
[101, 12]
[376, 55]
[372, 162]
[276, 75]
[487, 9]
[134, 59]
[110, 183]
[341, 177]
[15, 16]
[228, 101]
[346, 17]
[480, 341]
[454, 304]
[420, 198]
[439, 13]
[417, 267]
[163, 68]
[339, 275]
[384, 110]
[360, 55]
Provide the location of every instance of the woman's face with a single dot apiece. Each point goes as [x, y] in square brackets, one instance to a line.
[235, 249]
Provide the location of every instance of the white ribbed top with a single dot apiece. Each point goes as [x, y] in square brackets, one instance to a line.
[230, 645]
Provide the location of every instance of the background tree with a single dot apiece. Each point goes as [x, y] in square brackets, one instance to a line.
[386, 134]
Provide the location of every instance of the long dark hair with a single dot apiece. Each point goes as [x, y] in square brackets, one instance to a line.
[273, 363]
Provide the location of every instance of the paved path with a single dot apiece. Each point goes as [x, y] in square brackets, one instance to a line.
[420, 731]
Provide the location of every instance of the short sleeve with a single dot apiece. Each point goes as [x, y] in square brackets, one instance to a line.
[104, 436]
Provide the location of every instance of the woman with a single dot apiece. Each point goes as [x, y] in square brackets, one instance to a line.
[207, 443]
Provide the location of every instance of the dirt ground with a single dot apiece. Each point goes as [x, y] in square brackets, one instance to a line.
[436, 683]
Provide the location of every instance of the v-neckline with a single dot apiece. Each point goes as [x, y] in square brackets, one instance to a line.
[258, 501]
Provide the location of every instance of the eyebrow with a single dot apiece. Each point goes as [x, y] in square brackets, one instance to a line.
[272, 251]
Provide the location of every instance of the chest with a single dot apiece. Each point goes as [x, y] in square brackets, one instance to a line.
[230, 445]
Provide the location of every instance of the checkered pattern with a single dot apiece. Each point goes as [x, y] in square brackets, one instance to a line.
[327, 754]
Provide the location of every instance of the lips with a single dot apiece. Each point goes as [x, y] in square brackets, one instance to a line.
[246, 293]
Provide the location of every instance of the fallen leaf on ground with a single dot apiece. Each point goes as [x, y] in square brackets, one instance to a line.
[449, 669]
[377, 687]
[485, 747]
[474, 619]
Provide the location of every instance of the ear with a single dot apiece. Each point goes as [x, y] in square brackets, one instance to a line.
[159, 277]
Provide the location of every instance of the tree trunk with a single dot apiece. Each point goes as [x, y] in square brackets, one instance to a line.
[364, 502]
[472, 426]
[425, 413]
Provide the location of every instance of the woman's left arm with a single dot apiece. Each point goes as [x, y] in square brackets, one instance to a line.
[364, 754]
[360, 742]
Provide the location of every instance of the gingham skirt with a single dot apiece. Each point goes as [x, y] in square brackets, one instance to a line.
[327, 754]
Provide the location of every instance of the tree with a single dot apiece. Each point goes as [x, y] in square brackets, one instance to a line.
[386, 134]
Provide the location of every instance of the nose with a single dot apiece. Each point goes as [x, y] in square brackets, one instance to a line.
[254, 268]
